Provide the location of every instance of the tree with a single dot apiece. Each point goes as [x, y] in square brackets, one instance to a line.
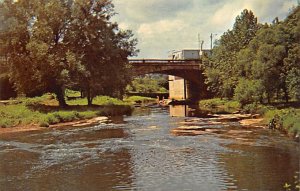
[149, 84]
[34, 45]
[102, 47]
[292, 61]
[248, 91]
[222, 70]
[273, 57]
[53, 44]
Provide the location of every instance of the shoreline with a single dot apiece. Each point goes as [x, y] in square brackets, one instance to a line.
[36, 127]
[245, 120]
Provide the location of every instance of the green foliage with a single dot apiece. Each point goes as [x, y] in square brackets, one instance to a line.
[257, 63]
[99, 100]
[72, 93]
[290, 118]
[101, 47]
[56, 44]
[138, 98]
[105, 100]
[30, 111]
[148, 84]
[248, 91]
[218, 105]
[256, 108]
[222, 69]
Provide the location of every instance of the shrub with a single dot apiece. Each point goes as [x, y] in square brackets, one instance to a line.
[135, 99]
[256, 108]
[248, 91]
[290, 118]
[43, 124]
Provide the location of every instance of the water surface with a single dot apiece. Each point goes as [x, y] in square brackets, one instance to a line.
[140, 153]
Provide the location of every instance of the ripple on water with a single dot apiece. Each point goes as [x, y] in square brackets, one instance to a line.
[142, 154]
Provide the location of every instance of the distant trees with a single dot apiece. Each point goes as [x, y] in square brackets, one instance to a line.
[54, 44]
[255, 62]
[149, 84]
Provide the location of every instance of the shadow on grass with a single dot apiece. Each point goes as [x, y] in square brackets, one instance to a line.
[283, 105]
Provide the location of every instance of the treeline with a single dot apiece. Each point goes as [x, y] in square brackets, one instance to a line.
[256, 62]
[151, 83]
[51, 45]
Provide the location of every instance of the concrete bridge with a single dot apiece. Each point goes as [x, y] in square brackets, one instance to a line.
[190, 70]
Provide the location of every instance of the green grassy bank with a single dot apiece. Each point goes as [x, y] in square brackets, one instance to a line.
[286, 116]
[45, 111]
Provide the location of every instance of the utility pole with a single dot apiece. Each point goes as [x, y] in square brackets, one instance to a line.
[211, 40]
[199, 42]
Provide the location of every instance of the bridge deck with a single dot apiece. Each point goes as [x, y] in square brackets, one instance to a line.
[162, 61]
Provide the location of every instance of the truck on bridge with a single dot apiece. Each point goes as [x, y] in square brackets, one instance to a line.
[178, 86]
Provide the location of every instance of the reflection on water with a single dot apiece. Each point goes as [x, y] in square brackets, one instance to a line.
[140, 153]
[186, 111]
[256, 166]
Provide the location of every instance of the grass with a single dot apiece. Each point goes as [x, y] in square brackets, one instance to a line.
[218, 105]
[289, 117]
[288, 114]
[99, 100]
[45, 111]
[138, 99]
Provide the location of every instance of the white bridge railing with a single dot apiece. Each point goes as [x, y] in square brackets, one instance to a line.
[162, 61]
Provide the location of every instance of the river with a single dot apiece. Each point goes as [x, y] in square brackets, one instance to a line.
[139, 152]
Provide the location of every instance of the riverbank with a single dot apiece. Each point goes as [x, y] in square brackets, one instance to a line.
[285, 117]
[33, 113]
[37, 127]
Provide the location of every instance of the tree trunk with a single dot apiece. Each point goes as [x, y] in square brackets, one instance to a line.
[89, 97]
[60, 95]
[90, 100]
[269, 98]
[286, 95]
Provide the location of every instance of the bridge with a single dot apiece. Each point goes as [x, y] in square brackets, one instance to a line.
[190, 70]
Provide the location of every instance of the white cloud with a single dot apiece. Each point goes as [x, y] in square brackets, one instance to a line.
[164, 25]
[151, 10]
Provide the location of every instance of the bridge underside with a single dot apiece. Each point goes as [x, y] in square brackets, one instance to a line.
[194, 85]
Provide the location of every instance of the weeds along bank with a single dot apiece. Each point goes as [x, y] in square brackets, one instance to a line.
[285, 118]
[44, 110]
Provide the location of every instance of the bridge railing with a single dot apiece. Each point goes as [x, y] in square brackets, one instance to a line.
[161, 61]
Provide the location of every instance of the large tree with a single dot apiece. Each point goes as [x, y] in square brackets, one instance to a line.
[272, 57]
[102, 47]
[222, 70]
[53, 44]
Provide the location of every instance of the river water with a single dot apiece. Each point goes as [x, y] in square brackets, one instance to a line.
[139, 152]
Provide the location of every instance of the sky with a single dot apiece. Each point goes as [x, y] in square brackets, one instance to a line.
[162, 26]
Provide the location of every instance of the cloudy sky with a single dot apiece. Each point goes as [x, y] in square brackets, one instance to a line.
[165, 25]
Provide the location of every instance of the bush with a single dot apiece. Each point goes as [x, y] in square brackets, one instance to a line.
[289, 117]
[106, 100]
[136, 99]
[44, 124]
[221, 103]
[248, 91]
[256, 108]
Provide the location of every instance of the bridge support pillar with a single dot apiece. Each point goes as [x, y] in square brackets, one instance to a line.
[184, 89]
